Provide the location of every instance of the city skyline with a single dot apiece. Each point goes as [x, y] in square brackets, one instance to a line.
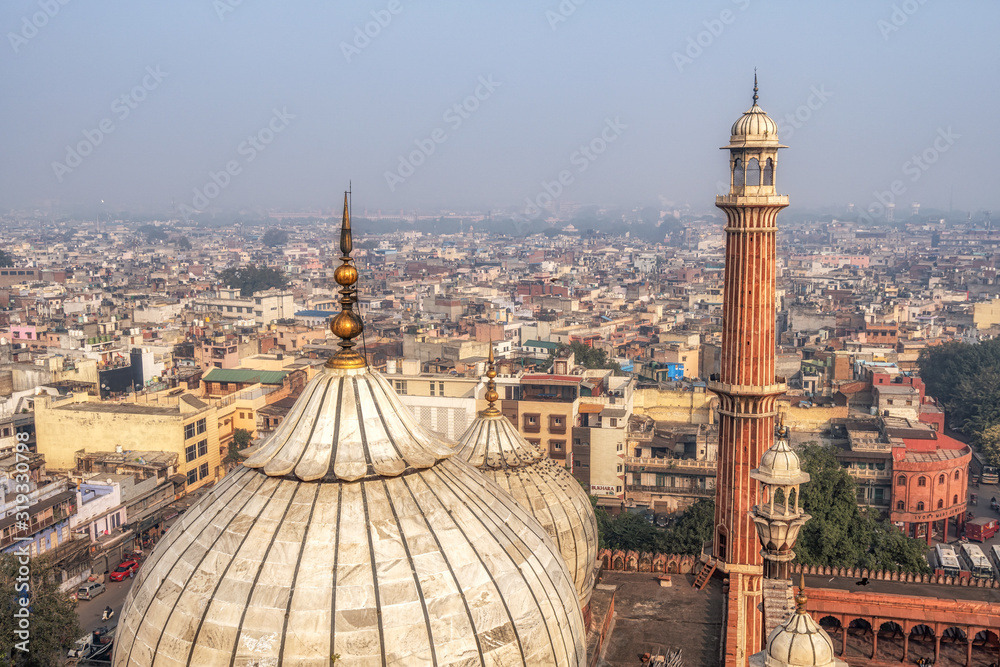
[259, 107]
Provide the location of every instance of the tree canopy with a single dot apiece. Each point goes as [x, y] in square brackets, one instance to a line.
[275, 237]
[632, 532]
[840, 533]
[589, 357]
[52, 622]
[252, 278]
[153, 233]
[966, 379]
[6, 259]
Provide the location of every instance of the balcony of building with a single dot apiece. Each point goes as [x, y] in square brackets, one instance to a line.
[639, 464]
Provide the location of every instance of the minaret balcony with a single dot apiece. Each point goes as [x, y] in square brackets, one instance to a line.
[779, 387]
[751, 200]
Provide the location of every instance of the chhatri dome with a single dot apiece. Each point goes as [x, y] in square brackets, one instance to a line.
[352, 536]
[547, 490]
[798, 642]
[754, 124]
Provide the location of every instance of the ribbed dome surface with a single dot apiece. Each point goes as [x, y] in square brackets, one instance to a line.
[351, 533]
[547, 490]
[780, 465]
[800, 642]
[754, 123]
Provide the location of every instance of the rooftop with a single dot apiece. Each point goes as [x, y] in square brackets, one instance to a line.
[244, 375]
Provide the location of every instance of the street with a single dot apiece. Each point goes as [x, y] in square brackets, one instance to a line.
[89, 611]
[984, 492]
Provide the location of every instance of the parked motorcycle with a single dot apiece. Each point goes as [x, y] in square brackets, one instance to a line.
[108, 614]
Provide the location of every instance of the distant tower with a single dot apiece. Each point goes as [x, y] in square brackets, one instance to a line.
[890, 211]
[746, 385]
[915, 209]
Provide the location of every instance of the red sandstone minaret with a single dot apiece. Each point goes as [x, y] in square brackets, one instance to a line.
[746, 385]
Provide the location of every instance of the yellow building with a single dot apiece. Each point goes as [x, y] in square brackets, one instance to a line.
[190, 428]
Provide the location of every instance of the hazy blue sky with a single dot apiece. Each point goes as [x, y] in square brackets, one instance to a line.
[885, 80]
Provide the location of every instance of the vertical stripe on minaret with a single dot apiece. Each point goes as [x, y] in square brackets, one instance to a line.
[746, 384]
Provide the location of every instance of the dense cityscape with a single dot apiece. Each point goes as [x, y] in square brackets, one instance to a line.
[460, 360]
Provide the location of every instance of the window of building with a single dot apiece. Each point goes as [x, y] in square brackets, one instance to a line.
[957, 474]
[432, 389]
[901, 480]
[613, 422]
[190, 453]
[618, 489]
[189, 431]
[920, 506]
[557, 445]
[921, 481]
[620, 447]
[203, 471]
[940, 503]
[203, 448]
[619, 467]
[192, 476]
[440, 388]
[941, 478]
[202, 426]
[400, 387]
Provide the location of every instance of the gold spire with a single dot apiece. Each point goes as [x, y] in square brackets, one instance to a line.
[491, 387]
[800, 599]
[347, 324]
[755, 86]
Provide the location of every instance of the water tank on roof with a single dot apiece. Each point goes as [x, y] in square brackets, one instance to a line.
[874, 410]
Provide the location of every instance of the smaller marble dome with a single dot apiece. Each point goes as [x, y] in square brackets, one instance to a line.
[754, 122]
[543, 487]
[779, 465]
[800, 642]
[754, 127]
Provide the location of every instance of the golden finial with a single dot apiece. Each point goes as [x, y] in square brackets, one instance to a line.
[800, 599]
[491, 387]
[782, 429]
[347, 324]
[755, 86]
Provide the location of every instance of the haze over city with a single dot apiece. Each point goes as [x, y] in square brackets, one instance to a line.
[478, 106]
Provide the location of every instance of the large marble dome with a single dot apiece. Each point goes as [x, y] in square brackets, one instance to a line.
[553, 496]
[353, 537]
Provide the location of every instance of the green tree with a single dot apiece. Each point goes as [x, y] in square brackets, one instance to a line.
[275, 237]
[692, 529]
[589, 357]
[52, 622]
[988, 441]
[183, 243]
[6, 259]
[252, 278]
[840, 533]
[241, 438]
[153, 233]
[628, 531]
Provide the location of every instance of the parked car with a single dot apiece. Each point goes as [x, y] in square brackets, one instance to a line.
[90, 590]
[127, 568]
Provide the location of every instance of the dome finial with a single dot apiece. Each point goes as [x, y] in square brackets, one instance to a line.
[347, 324]
[491, 386]
[801, 599]
[755, 85]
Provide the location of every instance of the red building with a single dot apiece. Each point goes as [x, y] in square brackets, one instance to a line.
[930, 485]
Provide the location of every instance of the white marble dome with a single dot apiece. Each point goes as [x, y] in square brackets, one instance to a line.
[353, 532]
[547, 490]
[780, 465]
[800, 642]
[755, 123]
